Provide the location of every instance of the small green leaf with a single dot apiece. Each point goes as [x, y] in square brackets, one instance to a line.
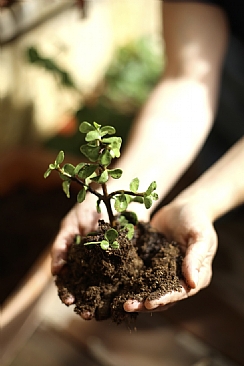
[115, 173]
[92, 135]
[47, 173]
[111, 235]
[138, 199]
[151, 188]
[64, 177]
[96, 125]
[115, 153]
[115, 245]
[101, 179]
[134, 185]
[130, 231]
[85, 127]
[66, 186]
[52, 166]
[69, 169]
[107, 130]
[130, 217]
[105, 158]
[78, 168]
[154, 196]
[147, 202]
[121, 203]
[87, 171]
[113, 142]
[104, 244]
[81, 195]
[91, 152]
[60, 158]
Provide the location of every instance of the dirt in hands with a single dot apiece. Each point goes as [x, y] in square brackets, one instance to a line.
[98, 282]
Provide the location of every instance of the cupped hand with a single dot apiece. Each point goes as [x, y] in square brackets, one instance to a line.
[81, 219]
[186, 222]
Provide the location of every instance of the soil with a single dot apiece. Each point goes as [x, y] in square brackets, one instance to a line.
[98, 281]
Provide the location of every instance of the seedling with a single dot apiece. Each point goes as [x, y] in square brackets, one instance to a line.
[101, 148]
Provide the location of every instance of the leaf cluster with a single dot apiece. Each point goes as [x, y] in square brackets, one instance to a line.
[110, 240]
[100, 149]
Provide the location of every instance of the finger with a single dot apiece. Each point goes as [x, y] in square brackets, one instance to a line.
[136, 306]
[60, 250]
[197, 253]
[168, 298]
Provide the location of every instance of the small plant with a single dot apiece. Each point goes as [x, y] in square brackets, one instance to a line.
[101, 148]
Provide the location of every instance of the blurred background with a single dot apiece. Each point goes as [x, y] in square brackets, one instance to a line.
[63, 62]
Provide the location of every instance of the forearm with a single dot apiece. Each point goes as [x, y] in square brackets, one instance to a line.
[168, 134]
[221, 188]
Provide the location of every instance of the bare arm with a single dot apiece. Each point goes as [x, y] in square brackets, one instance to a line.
[220, 188]
[177, 117]
[175, 121]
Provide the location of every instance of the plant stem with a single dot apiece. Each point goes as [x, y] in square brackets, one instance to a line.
[107, 202]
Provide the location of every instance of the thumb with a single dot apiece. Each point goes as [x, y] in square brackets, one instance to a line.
[195, 255]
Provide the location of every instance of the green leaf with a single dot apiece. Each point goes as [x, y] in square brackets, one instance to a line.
[154, 196]
[69, 169]
[121, 203]
[78, 168]
[87, 171]
[60, 158]
[147, 202]
[104, 244]
[115, 245]
[115, 153]
[64, 177]
[130, 231]
[111, 235]
[92, 135]
[113, 142]
[85, 127]
[96, 125]
[134, 185]
[103, 178]
[91, 152]
[47, 173]
[107, 130]
[81, 195]
[115, 173]
[90, 179]
[151, 188]
[52, 166]
[129, 217]
[66, 186]
[138, 199]
[105, 158]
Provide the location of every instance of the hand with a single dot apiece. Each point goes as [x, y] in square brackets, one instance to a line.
[81, 219]
[187, 223]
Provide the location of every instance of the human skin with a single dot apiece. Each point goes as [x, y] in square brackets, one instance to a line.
[166, 137]
[188, 219]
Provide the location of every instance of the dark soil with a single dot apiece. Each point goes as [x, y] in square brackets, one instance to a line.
[98, 281]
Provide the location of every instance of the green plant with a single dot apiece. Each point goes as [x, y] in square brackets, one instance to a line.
[100, 150]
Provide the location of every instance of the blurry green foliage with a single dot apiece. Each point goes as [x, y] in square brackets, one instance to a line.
[132, 74]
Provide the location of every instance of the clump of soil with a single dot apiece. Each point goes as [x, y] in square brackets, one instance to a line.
[98, 282]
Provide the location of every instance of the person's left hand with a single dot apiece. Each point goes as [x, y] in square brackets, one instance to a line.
[187, 223]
